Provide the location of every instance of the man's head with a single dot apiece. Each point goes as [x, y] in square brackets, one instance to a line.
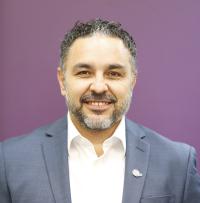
[108, 28]
[97, 73]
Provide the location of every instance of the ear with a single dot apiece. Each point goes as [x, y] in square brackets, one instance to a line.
[61, 80]
[134, 79]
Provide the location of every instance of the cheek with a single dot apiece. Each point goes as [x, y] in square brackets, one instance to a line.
[76, 89]
[121, 89]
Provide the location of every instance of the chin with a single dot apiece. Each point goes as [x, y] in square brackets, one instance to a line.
[98, 124]
[98, 117]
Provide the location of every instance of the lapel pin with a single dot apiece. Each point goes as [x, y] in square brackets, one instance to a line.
[137, 173]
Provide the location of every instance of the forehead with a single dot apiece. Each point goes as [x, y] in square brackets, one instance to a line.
[98, 49]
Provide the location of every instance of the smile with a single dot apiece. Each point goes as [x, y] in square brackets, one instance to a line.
[98, 105]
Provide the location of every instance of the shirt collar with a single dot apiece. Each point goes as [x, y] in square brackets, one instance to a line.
[119, 132]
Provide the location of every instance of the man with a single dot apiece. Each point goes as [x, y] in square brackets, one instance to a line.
[94, 154]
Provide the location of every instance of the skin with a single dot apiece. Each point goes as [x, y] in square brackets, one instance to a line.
[98, 65]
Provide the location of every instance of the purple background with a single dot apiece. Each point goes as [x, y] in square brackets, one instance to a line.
[167, 34]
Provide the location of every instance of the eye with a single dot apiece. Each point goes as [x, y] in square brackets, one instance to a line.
[114, 74]
[83, 73]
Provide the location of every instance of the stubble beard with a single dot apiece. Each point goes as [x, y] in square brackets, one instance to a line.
[99, 124]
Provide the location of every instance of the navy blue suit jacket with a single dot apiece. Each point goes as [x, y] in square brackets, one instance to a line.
[34, 168]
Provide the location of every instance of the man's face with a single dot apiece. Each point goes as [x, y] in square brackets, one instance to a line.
[98, 81]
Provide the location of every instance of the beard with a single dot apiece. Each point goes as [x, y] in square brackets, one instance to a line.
[97, 123]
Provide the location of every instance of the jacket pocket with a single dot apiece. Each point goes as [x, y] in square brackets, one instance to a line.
[158, 199]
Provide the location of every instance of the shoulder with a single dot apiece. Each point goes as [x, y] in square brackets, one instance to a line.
[151, 136]
[22, 140]
[29, 141]
[160, 145]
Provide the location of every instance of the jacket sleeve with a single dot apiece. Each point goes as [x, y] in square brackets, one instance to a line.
[192, 185]
[4, 192]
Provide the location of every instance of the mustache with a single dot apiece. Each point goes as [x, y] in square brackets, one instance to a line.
[98, 97]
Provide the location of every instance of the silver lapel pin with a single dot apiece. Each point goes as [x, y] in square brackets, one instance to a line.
[137, 173]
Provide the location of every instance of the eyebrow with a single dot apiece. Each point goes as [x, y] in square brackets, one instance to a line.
[82, 65]
[116, 66]
[87, 66]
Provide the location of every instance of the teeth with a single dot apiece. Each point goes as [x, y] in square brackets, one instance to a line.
[98, 103]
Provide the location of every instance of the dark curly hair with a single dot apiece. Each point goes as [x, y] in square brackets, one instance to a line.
[109, 28]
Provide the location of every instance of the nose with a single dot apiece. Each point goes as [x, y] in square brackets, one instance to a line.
[99, 85]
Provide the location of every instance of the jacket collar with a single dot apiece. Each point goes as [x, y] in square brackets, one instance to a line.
[54, 150]
[56, 160]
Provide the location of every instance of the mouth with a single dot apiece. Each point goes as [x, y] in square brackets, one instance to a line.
[98, 105]
[98, 102]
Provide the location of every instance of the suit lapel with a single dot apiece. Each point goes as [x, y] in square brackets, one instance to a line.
[56, 159]
[137, 156]
[54, 150]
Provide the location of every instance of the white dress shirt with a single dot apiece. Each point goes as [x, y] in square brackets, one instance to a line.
[96, 179]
